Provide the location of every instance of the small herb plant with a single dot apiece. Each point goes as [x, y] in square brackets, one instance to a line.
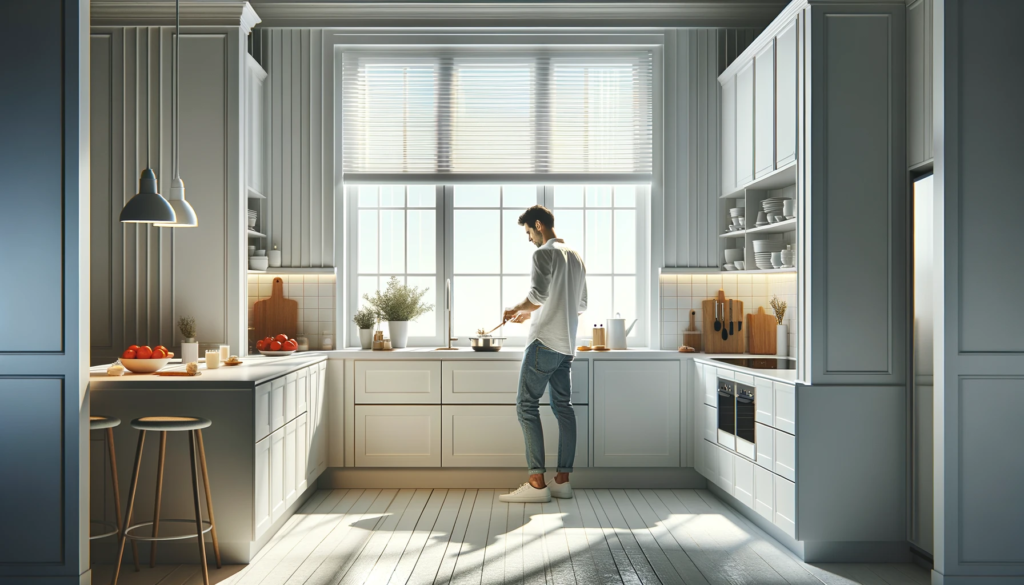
[365, 318]
[779, 307]
[399, 302]
[187, 326]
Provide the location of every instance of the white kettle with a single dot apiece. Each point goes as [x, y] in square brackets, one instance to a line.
[617, 332]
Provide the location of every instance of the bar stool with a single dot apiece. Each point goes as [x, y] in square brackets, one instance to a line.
[107, 423]
[165, 424]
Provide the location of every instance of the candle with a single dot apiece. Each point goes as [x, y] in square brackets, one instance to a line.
[212, 359]
[225, 352]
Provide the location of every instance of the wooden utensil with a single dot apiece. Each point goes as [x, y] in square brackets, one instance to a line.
[277, 314]
[721, 301]
[732, 323]
[761, 329]
[718, 325]
[692, 337]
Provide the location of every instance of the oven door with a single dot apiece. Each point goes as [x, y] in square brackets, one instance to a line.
[727, 414]
[746, 411]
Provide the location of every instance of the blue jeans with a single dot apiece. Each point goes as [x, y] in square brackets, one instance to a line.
[541, 366]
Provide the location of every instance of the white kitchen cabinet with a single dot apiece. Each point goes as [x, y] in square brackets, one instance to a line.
[764, 111]
[302, 390]
[277, 402]
[764, 493]
[786, 95]
[301, 454]
[785, 407]
[745, 124]
[277, 464]
[637, 413]
[919, 82]
[764, 396]
[497, 382]
[262, 512]
[711, 461]
[744, 481]
[255, 89]
[291, 396]
[490, 436]
[711, 386]
[710, 423]
[729, 136]
[398, 382]
[290, 449]
[398, 435]
[785, 505]
[261, 409]
[785, 455]
[727, 471]
[317, 424]
[765, 436]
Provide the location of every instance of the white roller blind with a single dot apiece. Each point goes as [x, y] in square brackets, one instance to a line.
[572, 116]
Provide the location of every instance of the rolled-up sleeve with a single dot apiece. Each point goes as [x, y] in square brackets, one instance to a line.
[540, 278]
[583, 298]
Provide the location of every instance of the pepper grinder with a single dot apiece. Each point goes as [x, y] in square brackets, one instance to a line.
[598, 336]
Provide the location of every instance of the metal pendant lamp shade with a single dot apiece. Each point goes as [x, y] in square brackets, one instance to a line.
[184, 215]
[147, 206]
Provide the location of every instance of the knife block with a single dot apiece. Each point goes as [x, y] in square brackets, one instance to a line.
[713, 342]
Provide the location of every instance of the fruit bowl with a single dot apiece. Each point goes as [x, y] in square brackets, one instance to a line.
[277, 353]
[137, 366]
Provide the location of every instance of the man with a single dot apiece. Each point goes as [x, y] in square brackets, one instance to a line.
[558, 283]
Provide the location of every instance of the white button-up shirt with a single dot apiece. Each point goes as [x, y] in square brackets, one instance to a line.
[558, 283]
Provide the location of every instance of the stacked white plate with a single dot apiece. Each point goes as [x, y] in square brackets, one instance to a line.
[773, 206]
[763, 252]
[252, 217]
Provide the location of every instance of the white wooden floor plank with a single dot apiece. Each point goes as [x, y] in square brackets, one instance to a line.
[854, 573]
[535, 562]
[624, 517]
[556, 546]
[603, 549]
[497, 540]
[514, 545]
[676, 517]
[454, 544]
[217, 576]
[146, 576]
[583, 565]
[402, 532]
[382, 534]
[617, 528]
[419, 537]
[429, 561]
[678, 556]
[727, 564]
[470, 563]
[332, 557]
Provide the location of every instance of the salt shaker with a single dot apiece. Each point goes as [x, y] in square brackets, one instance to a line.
[326, 341]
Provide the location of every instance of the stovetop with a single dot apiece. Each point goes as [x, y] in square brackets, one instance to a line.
[759, 363]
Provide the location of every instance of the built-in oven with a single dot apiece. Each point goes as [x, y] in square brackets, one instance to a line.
[727, 413]
[737, 408]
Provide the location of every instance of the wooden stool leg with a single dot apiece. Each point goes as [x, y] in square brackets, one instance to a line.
[209, 498]
[199, 511]
[117, 493]
[131, 506]
[159, 493]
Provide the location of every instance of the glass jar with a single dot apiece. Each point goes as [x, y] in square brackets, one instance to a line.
[303, 342]
[327, 341]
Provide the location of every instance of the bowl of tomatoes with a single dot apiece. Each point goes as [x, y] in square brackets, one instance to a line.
[145, 360]
[277, 345]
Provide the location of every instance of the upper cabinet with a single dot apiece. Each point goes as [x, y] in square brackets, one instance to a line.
[785, 95]
[745, 125]
[764, 111]
[255, 111]
[919, 83]
[728, 135]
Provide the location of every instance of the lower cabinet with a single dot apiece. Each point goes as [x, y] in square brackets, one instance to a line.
[490, 436]
[398, 435]
[290, 448]
[262, 516]
[301, 454]
[277, 480]
[727, 471]
[744, 480]
[764, 493]
[785, 455]
[785, 505]
[636, 413]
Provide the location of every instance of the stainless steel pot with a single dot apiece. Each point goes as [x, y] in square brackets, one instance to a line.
[486, 343]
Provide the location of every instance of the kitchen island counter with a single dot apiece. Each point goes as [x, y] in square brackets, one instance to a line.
[254, 370]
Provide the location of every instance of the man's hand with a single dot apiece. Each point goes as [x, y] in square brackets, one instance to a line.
[515, 316]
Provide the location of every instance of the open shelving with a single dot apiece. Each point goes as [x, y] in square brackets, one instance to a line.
[780, 183]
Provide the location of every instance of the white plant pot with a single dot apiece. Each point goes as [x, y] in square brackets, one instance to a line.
[366, 338]
[399, 333]
[782, 340]
[189, 352]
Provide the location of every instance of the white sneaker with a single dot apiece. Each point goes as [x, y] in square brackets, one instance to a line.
[560, 490]
[527, 494]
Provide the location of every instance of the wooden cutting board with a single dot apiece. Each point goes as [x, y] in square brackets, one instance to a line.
[276, 315]
[761, 332]
[713, 342]
[692, 337]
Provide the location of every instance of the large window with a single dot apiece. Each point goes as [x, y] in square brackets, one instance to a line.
[395, 230]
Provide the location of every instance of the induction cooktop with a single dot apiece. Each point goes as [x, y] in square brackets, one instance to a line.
[759, 363]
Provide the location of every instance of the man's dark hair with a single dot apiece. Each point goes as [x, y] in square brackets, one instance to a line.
[531, 216]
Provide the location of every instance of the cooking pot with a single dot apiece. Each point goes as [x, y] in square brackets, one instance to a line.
[486, 343]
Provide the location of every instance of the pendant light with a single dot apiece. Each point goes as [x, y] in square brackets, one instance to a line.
[185, 216]
[147, 206]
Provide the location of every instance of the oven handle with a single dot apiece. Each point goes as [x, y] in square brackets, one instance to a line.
[744, 400]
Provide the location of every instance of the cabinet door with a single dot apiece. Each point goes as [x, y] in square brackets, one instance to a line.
[765, 436]
[261, 490]
[317, 434]
[764, 396]
[277, 401]
[262, 411]
[711, 386]
[291, 401]
[277, 461]
[764, 111]
[302, 391]
[490, 436]
[785, 407]
[389, 382]
[785, 505]
[729, 135]
[744, 481]
[711, 461]
[302, 465]
[321, 424]
[290, 449]
[710, 423]
[764, 493]
[745, 124]
[785, 455]
[636, 413]
[727, 471]
[398, 436]
[786, 95]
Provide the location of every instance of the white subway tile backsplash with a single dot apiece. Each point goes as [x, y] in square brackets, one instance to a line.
[327, 315]
[310, 314]
[314, 294]
[311, 302]
[265, 290]
[326, 290]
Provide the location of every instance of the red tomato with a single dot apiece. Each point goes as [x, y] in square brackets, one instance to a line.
[129, 354]
[158, 354]
[144, 352]
[275, 346]
[133, 347]
[260, 345]
[160, 347]
[267, 341]
[281, 337]
[290, 345]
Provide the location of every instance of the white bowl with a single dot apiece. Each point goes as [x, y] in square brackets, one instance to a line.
[733, 254]
[736, 211]
[769, 246]
[149, 366]
[258, 262]
[277, 353]
[729, 267]
[739, 264]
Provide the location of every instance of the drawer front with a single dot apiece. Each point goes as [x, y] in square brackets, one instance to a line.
[743, 378]
[277, 401]
[711, 460]
[785, 455]
[497, 382]
[302, 391]
[490, 436]
[262, 411]
[393, 382]
[261, 488]
[398, 435]
[711, 386]
[765, 436]
[785, 505]
[710, 423]
[764, 493]
[764, 397]
[727, 471]
[785, 408]
[291, 396]
[744, 481]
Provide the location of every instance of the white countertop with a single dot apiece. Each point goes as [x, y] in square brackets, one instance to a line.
[253, 371]
[788, 376]
[506, 353]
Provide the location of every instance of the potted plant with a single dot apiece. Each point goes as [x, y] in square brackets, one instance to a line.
[398, 305]
[189, 345]
[365, 319]
[782, 331]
